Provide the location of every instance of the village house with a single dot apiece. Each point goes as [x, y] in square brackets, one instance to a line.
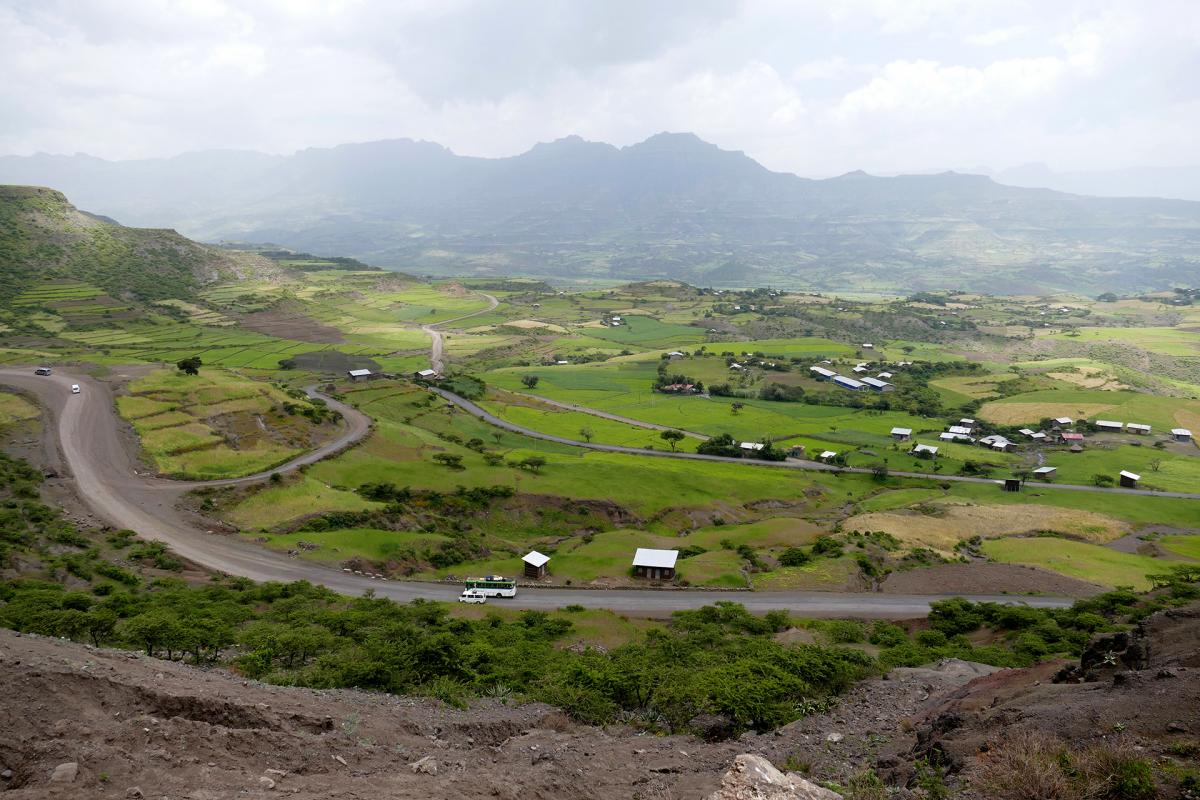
[924, 448]
[868, 346]
[1138, 428]
[1181, 435]
[425, 374]
[954, 437]
[1070, 437]
[1045, 472]
[796, 451]
[1063, 422]
[827, 456]
[959, 430]
[822, 374]
[655, 564]
[1109, 426]
[878, 385]
[901, 434]
[535, 565]
[675, 355]
[848, 383]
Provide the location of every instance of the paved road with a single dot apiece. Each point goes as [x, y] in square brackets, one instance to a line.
[435, 335]
[637, 423]
[103, 469]
[791, 463]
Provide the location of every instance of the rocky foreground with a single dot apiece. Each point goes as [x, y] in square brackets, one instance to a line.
[79, 722]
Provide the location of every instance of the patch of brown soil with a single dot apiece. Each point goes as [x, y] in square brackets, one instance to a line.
[291, 325]
[985, 578]
[175, 731]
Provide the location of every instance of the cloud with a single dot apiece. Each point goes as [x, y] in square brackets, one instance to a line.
[886, 85]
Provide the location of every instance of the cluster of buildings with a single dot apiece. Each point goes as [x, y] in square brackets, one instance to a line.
[862, 382]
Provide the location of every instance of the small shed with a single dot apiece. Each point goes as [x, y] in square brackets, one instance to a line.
[535, 564]
[359, 374]
[1071, 437]
[425, 374]
[1012, 484]
[1045, 472]
[674, 355]
[1063, 422]
[827, 456]
[1130, 479]
[868, 346]
[654, 564]
[752, 447]
[1110, 426]
[959, 430]
[1138, 428]
[901, 434]
[924, 448]
[1181, 435]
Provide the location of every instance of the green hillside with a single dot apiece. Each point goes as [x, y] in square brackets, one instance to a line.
[46, 240]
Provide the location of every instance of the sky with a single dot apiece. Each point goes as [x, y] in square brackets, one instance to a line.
[815, 88]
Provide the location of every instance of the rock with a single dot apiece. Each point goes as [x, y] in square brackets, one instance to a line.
[426, 766]
[754, 778]
[834, 737]
[1175, 726]
[275, 773]
[266, 782]
[6, 775]
[340, 760]
[134, 792]
[64, 773]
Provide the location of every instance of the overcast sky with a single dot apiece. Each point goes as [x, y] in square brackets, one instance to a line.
[813, 88]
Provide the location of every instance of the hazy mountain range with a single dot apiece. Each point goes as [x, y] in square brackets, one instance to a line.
[671, 206]
[1180, 183]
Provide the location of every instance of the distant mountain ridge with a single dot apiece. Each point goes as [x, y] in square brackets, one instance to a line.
[673, 206]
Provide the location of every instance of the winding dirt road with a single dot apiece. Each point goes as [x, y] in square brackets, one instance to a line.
[89, 438]
[435, 336]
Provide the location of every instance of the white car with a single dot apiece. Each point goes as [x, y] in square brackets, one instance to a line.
[472, 596]
[74, 388]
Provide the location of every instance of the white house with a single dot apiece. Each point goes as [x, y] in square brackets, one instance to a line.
[959, 430]
[426, 374]
[1181, 435]
[654, 564]
[1064, 422]
[827, 456]
[901, 434]
[1110, 426]
[878, 385]
[359, 374]
[1137, 427]
[924, 448]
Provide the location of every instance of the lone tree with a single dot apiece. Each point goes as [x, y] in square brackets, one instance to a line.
[672, 438]
[190, 365]
[587, 434]
[736, 407]
[530, 381]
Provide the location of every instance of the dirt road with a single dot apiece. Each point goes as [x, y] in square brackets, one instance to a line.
[435, 336]
[106, 480]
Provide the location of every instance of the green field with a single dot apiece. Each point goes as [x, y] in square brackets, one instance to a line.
[1089, 562]
[216, 424]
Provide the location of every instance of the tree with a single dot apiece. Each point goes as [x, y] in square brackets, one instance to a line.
[190, 365]
[879, 470]
[672, 438]
[736, 407]
[451, 460]
[530, 381]
[532, 463]
[794, 557]
[586, 433]
[723, 445]
[1100, 479]
[1155, 464]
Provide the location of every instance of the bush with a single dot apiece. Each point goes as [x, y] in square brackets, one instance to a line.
[794, 557]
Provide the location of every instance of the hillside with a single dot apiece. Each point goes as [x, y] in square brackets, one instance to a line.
[46, 240]
[672, 206]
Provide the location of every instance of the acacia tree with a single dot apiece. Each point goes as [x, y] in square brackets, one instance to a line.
[672, 438]
[190, 365]
[736, 407]
[530, 381]
[586, 433]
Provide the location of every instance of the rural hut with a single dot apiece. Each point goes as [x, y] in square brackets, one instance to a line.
[1181, 435]
[535, 565]
[1129, 479]
[901, 434]
[654, 564]
[359, 374]
[1045, 473]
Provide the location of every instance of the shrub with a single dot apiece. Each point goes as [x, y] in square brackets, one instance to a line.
[794, 557]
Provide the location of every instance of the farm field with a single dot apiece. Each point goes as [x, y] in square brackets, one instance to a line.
[1168, 341]
[217, 424]
[1081, 560]
[14, 408]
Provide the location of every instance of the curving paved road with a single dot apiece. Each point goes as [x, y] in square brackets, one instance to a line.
[89, 437]
[791, 463]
